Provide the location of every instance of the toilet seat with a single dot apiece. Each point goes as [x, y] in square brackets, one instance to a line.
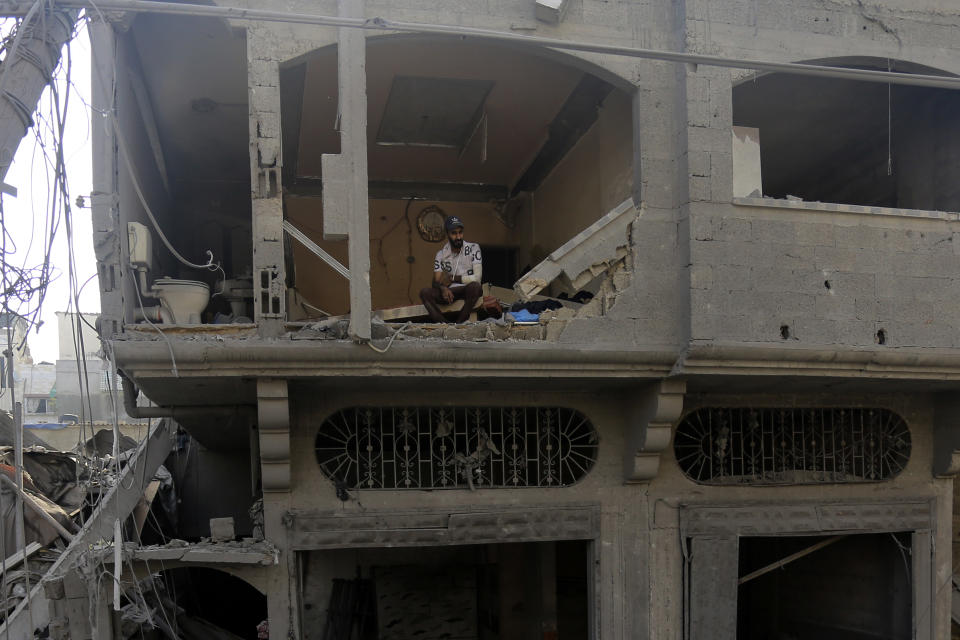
[173, 282]
[183, 300]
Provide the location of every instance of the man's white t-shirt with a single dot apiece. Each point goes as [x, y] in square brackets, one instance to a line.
[468, 264]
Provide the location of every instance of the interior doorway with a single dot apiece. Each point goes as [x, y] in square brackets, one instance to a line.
[851, 587]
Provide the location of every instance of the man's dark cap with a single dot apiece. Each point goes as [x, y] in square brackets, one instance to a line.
[452, 222]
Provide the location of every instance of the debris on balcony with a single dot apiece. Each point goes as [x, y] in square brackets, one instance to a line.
[242, 552]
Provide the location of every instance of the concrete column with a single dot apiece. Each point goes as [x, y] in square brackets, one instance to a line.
[622, 555]
[269, 275]
[283, 610]
[345, 199]
[942, 560]
[665, 570]
[104, 199]
[713, 587]
[273, 423]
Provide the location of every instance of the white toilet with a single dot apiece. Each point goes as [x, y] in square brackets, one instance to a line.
[181, 301]
[184, 299]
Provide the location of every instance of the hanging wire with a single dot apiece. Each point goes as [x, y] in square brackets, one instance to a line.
[889, 125]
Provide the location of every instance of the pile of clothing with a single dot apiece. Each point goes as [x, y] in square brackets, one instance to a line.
[530, 311]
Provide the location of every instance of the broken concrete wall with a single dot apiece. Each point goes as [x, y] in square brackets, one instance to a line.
[638, 24]
[651, 306]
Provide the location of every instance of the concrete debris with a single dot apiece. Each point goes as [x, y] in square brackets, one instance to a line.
[585, 256]
[221, 529]
[256, 517]
[41, 607]
[240, 552]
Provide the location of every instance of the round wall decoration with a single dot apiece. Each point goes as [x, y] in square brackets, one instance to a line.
[430, 224]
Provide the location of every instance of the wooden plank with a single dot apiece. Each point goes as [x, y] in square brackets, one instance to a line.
[418, 310]
[792, 557]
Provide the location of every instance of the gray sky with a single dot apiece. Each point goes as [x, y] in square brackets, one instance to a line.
[25, 215]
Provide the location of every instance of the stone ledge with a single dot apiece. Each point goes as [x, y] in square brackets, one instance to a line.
[829, 207]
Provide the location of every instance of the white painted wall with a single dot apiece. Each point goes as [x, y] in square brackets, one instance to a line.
[66, 330]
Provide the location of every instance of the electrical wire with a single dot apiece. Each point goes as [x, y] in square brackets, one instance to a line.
[173, 358]
[390, 341]
[132, 174]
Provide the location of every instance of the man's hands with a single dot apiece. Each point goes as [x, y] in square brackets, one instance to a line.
[443, 283]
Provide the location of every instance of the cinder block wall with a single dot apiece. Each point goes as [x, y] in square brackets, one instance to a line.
[814, 275]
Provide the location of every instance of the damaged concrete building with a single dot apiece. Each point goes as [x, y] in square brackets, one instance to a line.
[747, 426]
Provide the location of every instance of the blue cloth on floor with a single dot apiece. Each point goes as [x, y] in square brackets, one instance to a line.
[525, 316]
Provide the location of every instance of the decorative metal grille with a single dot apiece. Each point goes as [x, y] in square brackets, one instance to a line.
[456, 448]
[791, 446]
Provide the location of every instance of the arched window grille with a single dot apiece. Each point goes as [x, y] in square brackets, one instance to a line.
[456, 448]
[791, 446]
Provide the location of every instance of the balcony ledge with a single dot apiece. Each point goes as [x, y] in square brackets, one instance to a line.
[830, 207]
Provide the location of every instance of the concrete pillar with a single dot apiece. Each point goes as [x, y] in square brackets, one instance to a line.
[665, 571]
[283, 609]
[622, 556]
[104, 201]
[266, 159]
[942, 560]
[713, 587]
[273, 422]
[345, 199]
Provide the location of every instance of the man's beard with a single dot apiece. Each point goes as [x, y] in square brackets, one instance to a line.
[457, 244]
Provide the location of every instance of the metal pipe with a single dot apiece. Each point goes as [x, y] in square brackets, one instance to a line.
[130, 393]
[314, 248]
[382, 24]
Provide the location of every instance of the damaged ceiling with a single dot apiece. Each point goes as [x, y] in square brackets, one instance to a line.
[489, 139]
[195, 71]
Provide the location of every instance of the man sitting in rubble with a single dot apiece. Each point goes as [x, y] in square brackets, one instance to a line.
[457, 273]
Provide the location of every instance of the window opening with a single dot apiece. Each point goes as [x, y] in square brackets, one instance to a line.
[854, 143]
[456, 448]
[791, 446]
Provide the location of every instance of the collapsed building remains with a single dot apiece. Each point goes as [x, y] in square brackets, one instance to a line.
[734, 414]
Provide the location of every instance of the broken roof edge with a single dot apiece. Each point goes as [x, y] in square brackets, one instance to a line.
[247, 552]
[599, 243]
